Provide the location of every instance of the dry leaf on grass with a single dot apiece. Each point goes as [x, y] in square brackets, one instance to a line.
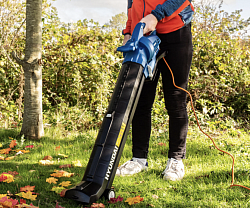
[52, 180]
[61, 173]
[76, 163]
[57, 189]
[13, 173]
[57, 148]
[30, 146]
[65, 166]
[5, 177]
[62, 155]
[155, 196]
[9, 158]
[115, 200]
[58, 206]
[27, 188]
[62, 193]
[65, 184]
[48, 158]
[46, 162]
[5, 151]
[23, 151]
[13, 143]
[6, 202]
[97, 205]
[134, 200]
[29, 195]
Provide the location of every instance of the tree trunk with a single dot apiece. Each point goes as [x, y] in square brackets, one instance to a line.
[32, 118]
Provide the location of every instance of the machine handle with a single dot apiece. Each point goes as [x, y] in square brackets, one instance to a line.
[132, 43]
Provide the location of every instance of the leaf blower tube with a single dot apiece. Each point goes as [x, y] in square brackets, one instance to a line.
[139, 63]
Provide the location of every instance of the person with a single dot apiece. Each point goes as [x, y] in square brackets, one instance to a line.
[172, 21]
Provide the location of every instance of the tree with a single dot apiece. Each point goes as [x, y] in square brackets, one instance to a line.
[118, 21]
[32, 119]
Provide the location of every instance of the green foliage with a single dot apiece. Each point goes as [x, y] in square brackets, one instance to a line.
[220, 74]
[80, 65]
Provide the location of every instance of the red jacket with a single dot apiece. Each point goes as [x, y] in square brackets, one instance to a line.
[171, 14]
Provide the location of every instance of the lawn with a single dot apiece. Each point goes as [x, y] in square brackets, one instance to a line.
[206, 183]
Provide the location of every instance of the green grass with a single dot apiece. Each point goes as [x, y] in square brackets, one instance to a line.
[206, 182]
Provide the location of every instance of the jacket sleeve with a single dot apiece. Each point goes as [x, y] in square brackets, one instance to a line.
[170, 9]
[127, 30]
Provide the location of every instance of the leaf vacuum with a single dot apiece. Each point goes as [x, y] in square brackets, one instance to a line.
[138, 66]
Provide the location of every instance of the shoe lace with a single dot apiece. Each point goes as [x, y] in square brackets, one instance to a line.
[173, 164]
[129, 164]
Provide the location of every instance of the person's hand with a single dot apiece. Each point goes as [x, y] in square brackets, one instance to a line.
[126, 38]
[151, 22]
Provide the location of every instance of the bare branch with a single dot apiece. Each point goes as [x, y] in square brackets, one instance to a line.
[18, 60]
[18, 31]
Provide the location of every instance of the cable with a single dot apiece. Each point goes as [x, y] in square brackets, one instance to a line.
[232, 184]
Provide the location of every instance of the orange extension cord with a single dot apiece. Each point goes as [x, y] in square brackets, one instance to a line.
[232, 184]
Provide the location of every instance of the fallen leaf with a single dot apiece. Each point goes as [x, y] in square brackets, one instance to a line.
[6, 202]
[31, 206]
[150, 205]
[96, 205]
[46, 162]
[9, 158]
[58, 206]
[1, 158]
[205, 176]
[48, 158]
[29, 195]
[2, 195]
[57, 148]
[65, 184]
[76, 163]
[63, 155]
[13, 143]
[22, 201]
[13, 173]
[57, 189]
[30, 146]
[19, 194]
[65, 166]
[23, 151]
[5, 151]
[162, 144]
[61, 173]
[9, 178]
[62, 193]
[52, 180]
[3, 178]
[27, 188]
[155, 196]
[115, 200]
[134, 200]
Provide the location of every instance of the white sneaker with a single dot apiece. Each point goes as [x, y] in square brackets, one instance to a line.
[174, 170]
[131, 167]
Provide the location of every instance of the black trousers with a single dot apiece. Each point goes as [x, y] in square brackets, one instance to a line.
[178, 47]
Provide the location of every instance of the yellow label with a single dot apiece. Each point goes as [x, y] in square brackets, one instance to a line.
[119, 139]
